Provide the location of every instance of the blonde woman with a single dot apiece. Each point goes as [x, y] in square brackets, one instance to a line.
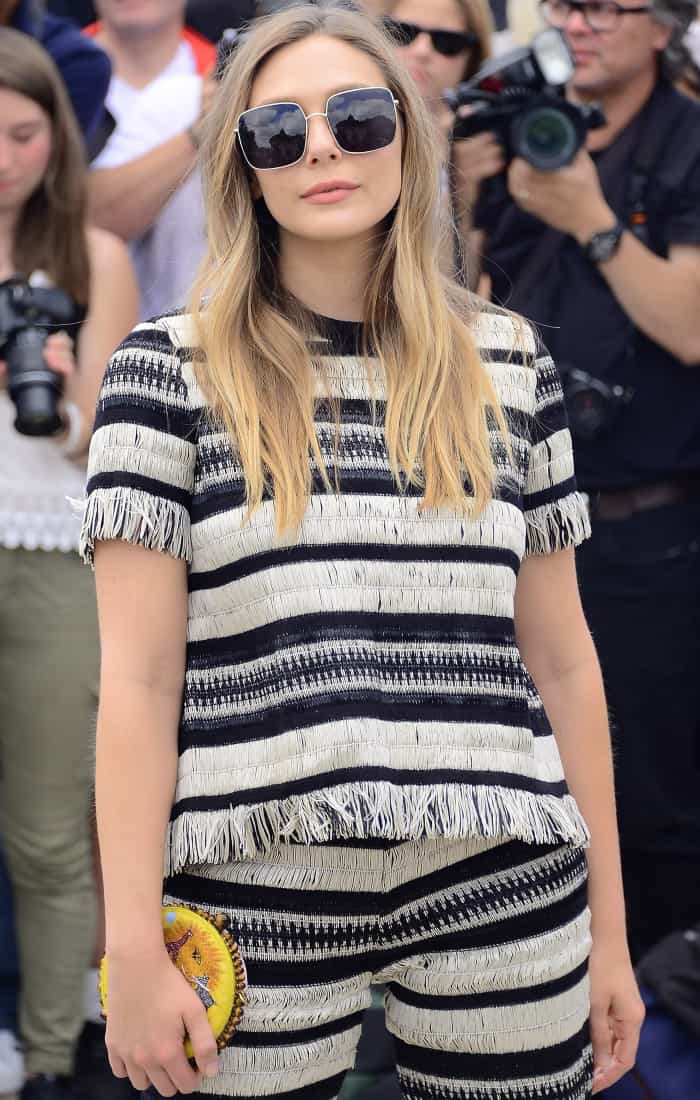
[331, 512]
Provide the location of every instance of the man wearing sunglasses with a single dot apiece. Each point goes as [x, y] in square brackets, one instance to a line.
[605, 256]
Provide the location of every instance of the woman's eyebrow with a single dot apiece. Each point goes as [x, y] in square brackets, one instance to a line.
[335, 90]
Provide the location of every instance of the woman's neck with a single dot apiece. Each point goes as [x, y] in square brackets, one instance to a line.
[329, 278]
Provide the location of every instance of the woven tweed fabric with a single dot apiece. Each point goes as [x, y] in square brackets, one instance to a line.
[359, 678]
[482, 946]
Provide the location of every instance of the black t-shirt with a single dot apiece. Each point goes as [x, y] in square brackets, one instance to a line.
[657, 434]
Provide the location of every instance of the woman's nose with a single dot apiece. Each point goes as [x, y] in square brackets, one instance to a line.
[421, 46]
[320, 143]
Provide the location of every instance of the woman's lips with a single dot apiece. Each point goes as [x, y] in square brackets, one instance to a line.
[324, 194]
[325, 198]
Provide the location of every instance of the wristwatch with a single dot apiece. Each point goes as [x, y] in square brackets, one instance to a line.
[603, 246]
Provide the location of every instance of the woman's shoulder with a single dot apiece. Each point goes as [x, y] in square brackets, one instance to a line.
[105, 248]
[112, 276]
[504, 336]
[155, 363]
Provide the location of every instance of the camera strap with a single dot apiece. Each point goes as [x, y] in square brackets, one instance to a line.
[661, 116]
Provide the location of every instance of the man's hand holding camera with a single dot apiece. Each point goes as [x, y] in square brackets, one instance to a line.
[570, 200]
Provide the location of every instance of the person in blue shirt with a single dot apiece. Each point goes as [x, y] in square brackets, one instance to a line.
[85, 68]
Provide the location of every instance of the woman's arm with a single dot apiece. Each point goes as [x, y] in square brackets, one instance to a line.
[558, 651]
[142, 602]
[113, 312]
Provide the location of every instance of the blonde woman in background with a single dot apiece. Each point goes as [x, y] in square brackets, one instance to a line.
[441, 44]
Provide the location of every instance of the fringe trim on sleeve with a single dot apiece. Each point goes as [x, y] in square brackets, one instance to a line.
[558, 526]
[365, 810]
[136, 517]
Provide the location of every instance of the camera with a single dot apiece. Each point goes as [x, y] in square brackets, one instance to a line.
[521, 98]
[592, 405]
[27, 315]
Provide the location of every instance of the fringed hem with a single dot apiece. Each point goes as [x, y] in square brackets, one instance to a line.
[136, 517]
[373, 810]
[558, 526]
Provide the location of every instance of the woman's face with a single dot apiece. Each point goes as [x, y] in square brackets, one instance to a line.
[432, 71]
[25, 148]
[307, 73]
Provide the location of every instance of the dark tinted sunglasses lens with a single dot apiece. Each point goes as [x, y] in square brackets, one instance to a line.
[274, 136]
[363, 121]
[402, 33]
[450, 43]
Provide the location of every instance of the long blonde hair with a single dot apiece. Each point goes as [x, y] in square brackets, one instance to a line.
[256, 370]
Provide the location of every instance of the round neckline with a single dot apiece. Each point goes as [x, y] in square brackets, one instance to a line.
[345, 337]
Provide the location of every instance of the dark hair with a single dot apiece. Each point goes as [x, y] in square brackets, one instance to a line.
[677, 14]
[51, 232]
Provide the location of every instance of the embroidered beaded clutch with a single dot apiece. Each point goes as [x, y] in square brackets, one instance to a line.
[204, 951]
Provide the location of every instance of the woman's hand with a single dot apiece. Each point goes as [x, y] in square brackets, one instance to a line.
[151, 1008]
[617, 1013]
[474, 160]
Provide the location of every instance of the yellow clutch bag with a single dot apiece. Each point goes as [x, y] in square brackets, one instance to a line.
[204, 951]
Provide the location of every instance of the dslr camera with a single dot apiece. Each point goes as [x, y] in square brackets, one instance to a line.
[592, 405]
[521, 98]
[28, 314]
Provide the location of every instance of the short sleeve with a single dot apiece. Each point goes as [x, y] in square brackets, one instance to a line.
[556, 514]
[142, 456]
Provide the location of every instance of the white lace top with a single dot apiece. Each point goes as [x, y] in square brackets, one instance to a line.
[35, 481]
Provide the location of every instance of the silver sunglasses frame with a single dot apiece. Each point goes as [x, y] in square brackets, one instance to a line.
[316, 114]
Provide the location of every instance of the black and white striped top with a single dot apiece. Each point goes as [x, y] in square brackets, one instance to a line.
[361, 678]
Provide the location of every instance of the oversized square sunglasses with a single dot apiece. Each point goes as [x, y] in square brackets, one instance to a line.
[448, 43]
[361, 120]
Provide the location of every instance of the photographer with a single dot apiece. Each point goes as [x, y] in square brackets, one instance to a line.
[48, 629]
[605, 255]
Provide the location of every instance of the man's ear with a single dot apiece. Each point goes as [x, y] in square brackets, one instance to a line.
[661, 36]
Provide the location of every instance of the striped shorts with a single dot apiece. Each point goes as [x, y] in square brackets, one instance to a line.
[481, 946]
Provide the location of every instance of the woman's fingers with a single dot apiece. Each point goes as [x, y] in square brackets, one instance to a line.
[602, 1040]
[615, 1037]
[202, 1039]
[162, 1081]
[138, 1076]
[117, 1065]
[58, 353]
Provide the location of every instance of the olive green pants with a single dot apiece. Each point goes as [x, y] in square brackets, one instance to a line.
[49, 662]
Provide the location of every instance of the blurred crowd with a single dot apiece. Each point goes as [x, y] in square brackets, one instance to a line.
[586, 222]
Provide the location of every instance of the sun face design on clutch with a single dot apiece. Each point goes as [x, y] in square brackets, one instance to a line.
[204, 951]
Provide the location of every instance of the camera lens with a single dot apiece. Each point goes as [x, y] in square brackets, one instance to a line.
[546, 138]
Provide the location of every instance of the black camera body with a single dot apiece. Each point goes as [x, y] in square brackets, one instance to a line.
[591, 404]
[28, 314]
[521, 98]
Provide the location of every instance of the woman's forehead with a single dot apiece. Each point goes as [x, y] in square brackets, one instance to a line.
[309, 71]
[447, 14]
